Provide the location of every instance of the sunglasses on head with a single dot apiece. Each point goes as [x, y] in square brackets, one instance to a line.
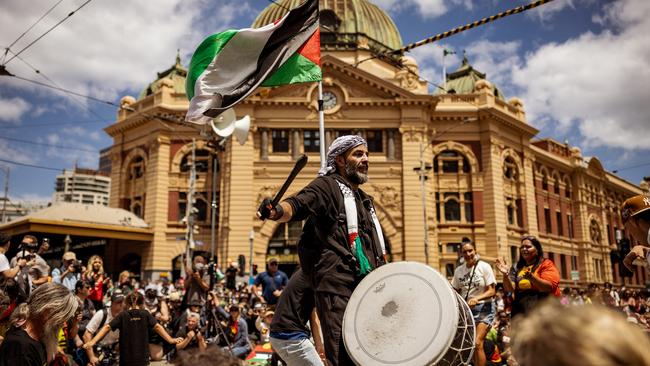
[528, 237]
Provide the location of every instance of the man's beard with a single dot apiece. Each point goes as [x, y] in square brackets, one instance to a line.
[353, 174]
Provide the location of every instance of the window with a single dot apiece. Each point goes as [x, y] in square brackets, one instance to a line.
[450, 161]
[286, 234]
[452, 248]
[547, 218]
[136, 168]
[182, 205]
[514, 252]
[567, 191]
[449, 270]
[574, 263]
[311, 140]
[452, 207]
[375, 140]
[609, 234]
[201, 205]
[556, 187]
[437, 206]
[569, 225]
[563, 268]
[280, 140]
[469, 207]
[137, 209]
[520, 212]
[511, 214]
[340, 133]
[510, 169]
[558, 218]
[544, 183]
[202, 159]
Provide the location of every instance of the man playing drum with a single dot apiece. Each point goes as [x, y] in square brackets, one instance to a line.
[341, 240]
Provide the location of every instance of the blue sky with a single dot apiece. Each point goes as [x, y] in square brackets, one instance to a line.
[581, 67]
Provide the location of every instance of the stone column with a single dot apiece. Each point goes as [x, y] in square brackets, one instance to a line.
[391, 145]
[496, 238]
[296, 142]
[264, 145]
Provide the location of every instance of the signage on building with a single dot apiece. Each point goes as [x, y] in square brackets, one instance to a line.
[575, 275]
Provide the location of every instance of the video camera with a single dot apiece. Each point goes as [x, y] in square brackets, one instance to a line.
[77, 265]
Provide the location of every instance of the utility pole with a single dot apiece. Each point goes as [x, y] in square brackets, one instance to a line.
[190, 211]
[213, 206]
[6, 197]
[423, 171]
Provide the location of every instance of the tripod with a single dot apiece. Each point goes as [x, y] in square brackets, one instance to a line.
[214, 326]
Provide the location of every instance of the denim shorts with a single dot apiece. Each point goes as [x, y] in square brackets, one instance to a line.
[484, 313]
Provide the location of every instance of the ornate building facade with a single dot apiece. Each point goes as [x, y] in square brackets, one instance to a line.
[465, 160]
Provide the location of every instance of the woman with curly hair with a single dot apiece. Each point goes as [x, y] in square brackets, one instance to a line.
[95, 275]
[532, 278]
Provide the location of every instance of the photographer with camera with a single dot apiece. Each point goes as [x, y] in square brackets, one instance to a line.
[191, 334]
[26, 281]
[197, 282]
[69, 273]
[7, 271]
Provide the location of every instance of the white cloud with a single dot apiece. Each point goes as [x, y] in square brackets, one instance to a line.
[596, 82]
[427, 9]
[12, 109]
[109, 46]
[429, 59]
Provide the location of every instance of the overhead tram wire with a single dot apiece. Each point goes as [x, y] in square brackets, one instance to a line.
[278, 4]
[46, 144]
[8, 48]
[31, 165]
[615, 171]
[46, 32]
[39, 72]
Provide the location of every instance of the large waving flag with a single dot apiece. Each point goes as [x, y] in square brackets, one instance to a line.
[228, 66]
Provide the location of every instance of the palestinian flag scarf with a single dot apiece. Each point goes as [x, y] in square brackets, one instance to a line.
[228, 66]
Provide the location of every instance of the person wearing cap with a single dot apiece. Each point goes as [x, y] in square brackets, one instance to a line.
[236, 331]
[272, 282]
[69, 273]
[635, 213]
[341, 240]
[191, 334]
[101, 318]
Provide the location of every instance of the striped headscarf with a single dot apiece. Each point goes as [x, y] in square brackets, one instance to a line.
[338, 147]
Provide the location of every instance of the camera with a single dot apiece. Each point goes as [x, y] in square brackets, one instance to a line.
[77, 265]
[199, 267]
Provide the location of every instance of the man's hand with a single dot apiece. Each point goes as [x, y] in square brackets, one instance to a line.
[22, 262]
[472, 302]
[94, 361]
[191, 334]
[177, 340]
[265, 210]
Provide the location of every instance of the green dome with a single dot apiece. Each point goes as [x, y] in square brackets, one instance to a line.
[177, 74]
[462, 81]
[345, 24]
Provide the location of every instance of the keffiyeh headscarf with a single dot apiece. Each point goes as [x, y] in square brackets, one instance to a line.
[338, 147]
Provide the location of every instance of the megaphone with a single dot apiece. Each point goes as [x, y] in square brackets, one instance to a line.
[227, 124]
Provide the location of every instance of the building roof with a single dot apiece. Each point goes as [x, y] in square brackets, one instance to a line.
[177, 74]
[463, 79]
[342, 23]
[93, 214]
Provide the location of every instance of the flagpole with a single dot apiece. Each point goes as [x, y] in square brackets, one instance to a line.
[321, 125]
[444, 72]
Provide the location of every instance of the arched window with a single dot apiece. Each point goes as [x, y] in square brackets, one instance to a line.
[452, 207]
[556, 186]
[451, 161]
[136, 168]
[544, 182]
[510, 169]
[202, 158]
[567, 189]
[137, 209]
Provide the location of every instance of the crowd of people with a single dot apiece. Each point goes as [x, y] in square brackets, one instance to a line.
[78, 314]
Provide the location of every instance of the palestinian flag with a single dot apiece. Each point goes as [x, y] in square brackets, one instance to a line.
[228, 66]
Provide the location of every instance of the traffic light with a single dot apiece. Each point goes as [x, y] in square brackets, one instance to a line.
[624, 245]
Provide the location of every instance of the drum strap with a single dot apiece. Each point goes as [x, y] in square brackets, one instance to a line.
[471, 279]
[353, 228]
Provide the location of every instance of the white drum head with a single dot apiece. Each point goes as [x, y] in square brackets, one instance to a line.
[403, 313]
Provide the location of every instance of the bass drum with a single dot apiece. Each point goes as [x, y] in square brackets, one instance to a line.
[406, 313]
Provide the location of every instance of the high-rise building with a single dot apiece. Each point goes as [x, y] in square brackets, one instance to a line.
[85, 186]
[490, 177]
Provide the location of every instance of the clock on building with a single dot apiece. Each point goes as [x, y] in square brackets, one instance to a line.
[329, 100]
